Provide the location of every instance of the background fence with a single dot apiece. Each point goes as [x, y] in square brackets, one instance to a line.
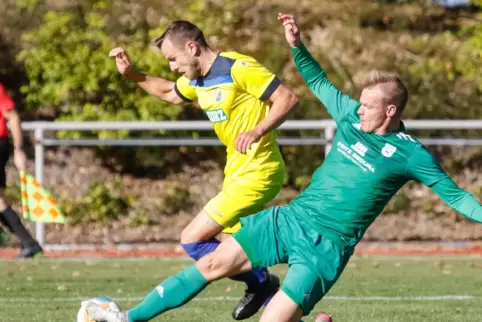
[326, 127]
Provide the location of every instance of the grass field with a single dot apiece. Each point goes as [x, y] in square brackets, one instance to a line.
[396, 289]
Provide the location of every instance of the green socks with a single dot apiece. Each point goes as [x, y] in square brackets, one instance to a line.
[171, 293]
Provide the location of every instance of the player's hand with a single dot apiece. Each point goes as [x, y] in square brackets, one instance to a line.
[246, 139]
[20, 159]
[292, 29]
[123, 62]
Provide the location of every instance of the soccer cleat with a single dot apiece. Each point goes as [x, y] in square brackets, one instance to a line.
[30, 252]
[98, 313]
[252, 300]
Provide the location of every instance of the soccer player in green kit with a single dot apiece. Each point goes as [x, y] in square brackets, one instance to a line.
[315, 234]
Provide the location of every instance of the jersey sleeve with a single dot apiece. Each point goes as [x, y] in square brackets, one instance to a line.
[423, 167]
[184, 90]
[337, 103]
[6, 103]
[253, 78]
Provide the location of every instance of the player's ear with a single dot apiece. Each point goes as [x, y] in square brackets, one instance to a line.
[192, 48]
[391, 110]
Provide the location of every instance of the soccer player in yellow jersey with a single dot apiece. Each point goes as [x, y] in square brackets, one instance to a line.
[245, 102]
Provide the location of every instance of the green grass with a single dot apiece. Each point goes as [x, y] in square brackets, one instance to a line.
[50, 290]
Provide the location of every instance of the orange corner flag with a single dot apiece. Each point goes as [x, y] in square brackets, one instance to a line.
[37, 202]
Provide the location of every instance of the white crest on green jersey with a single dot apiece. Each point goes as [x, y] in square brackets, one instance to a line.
[388, 150]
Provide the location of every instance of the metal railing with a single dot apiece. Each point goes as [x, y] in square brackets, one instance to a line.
[327, 126]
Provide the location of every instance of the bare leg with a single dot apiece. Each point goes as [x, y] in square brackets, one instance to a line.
[281, 308]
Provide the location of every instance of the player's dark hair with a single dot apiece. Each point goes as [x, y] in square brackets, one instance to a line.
[397, 92]
[181, 31]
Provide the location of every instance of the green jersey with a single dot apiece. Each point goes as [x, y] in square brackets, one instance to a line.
[363, 170]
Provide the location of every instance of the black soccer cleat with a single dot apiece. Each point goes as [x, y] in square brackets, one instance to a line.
[252, 300]
[30, 252]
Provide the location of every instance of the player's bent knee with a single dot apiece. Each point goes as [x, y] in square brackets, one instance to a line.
[213, 267]
[227, 260]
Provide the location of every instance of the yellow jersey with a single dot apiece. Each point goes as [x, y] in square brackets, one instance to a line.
[235, 96]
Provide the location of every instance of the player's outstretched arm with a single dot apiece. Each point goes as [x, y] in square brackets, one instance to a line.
[458, 199]
[424, 168]
[337, 103]
[158, 87]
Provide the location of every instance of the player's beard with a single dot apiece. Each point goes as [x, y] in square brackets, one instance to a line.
[193, 71]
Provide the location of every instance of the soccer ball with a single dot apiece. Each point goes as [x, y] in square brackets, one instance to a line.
[105, 302]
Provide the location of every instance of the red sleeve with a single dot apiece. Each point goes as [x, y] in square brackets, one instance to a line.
[6, 103]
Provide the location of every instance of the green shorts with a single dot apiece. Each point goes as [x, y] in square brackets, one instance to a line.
[276, 236]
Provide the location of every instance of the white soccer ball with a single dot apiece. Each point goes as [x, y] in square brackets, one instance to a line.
[105, 302]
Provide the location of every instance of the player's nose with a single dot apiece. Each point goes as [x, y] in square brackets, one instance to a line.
[173, 67]
[360, 110]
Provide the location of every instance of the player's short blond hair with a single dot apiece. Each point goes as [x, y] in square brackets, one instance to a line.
[395, 90]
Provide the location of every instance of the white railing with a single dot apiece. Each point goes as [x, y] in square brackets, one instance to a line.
[327, 126]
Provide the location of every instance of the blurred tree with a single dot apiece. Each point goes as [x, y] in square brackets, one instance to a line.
[63, 54]
[68, 67]
[469, 63]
